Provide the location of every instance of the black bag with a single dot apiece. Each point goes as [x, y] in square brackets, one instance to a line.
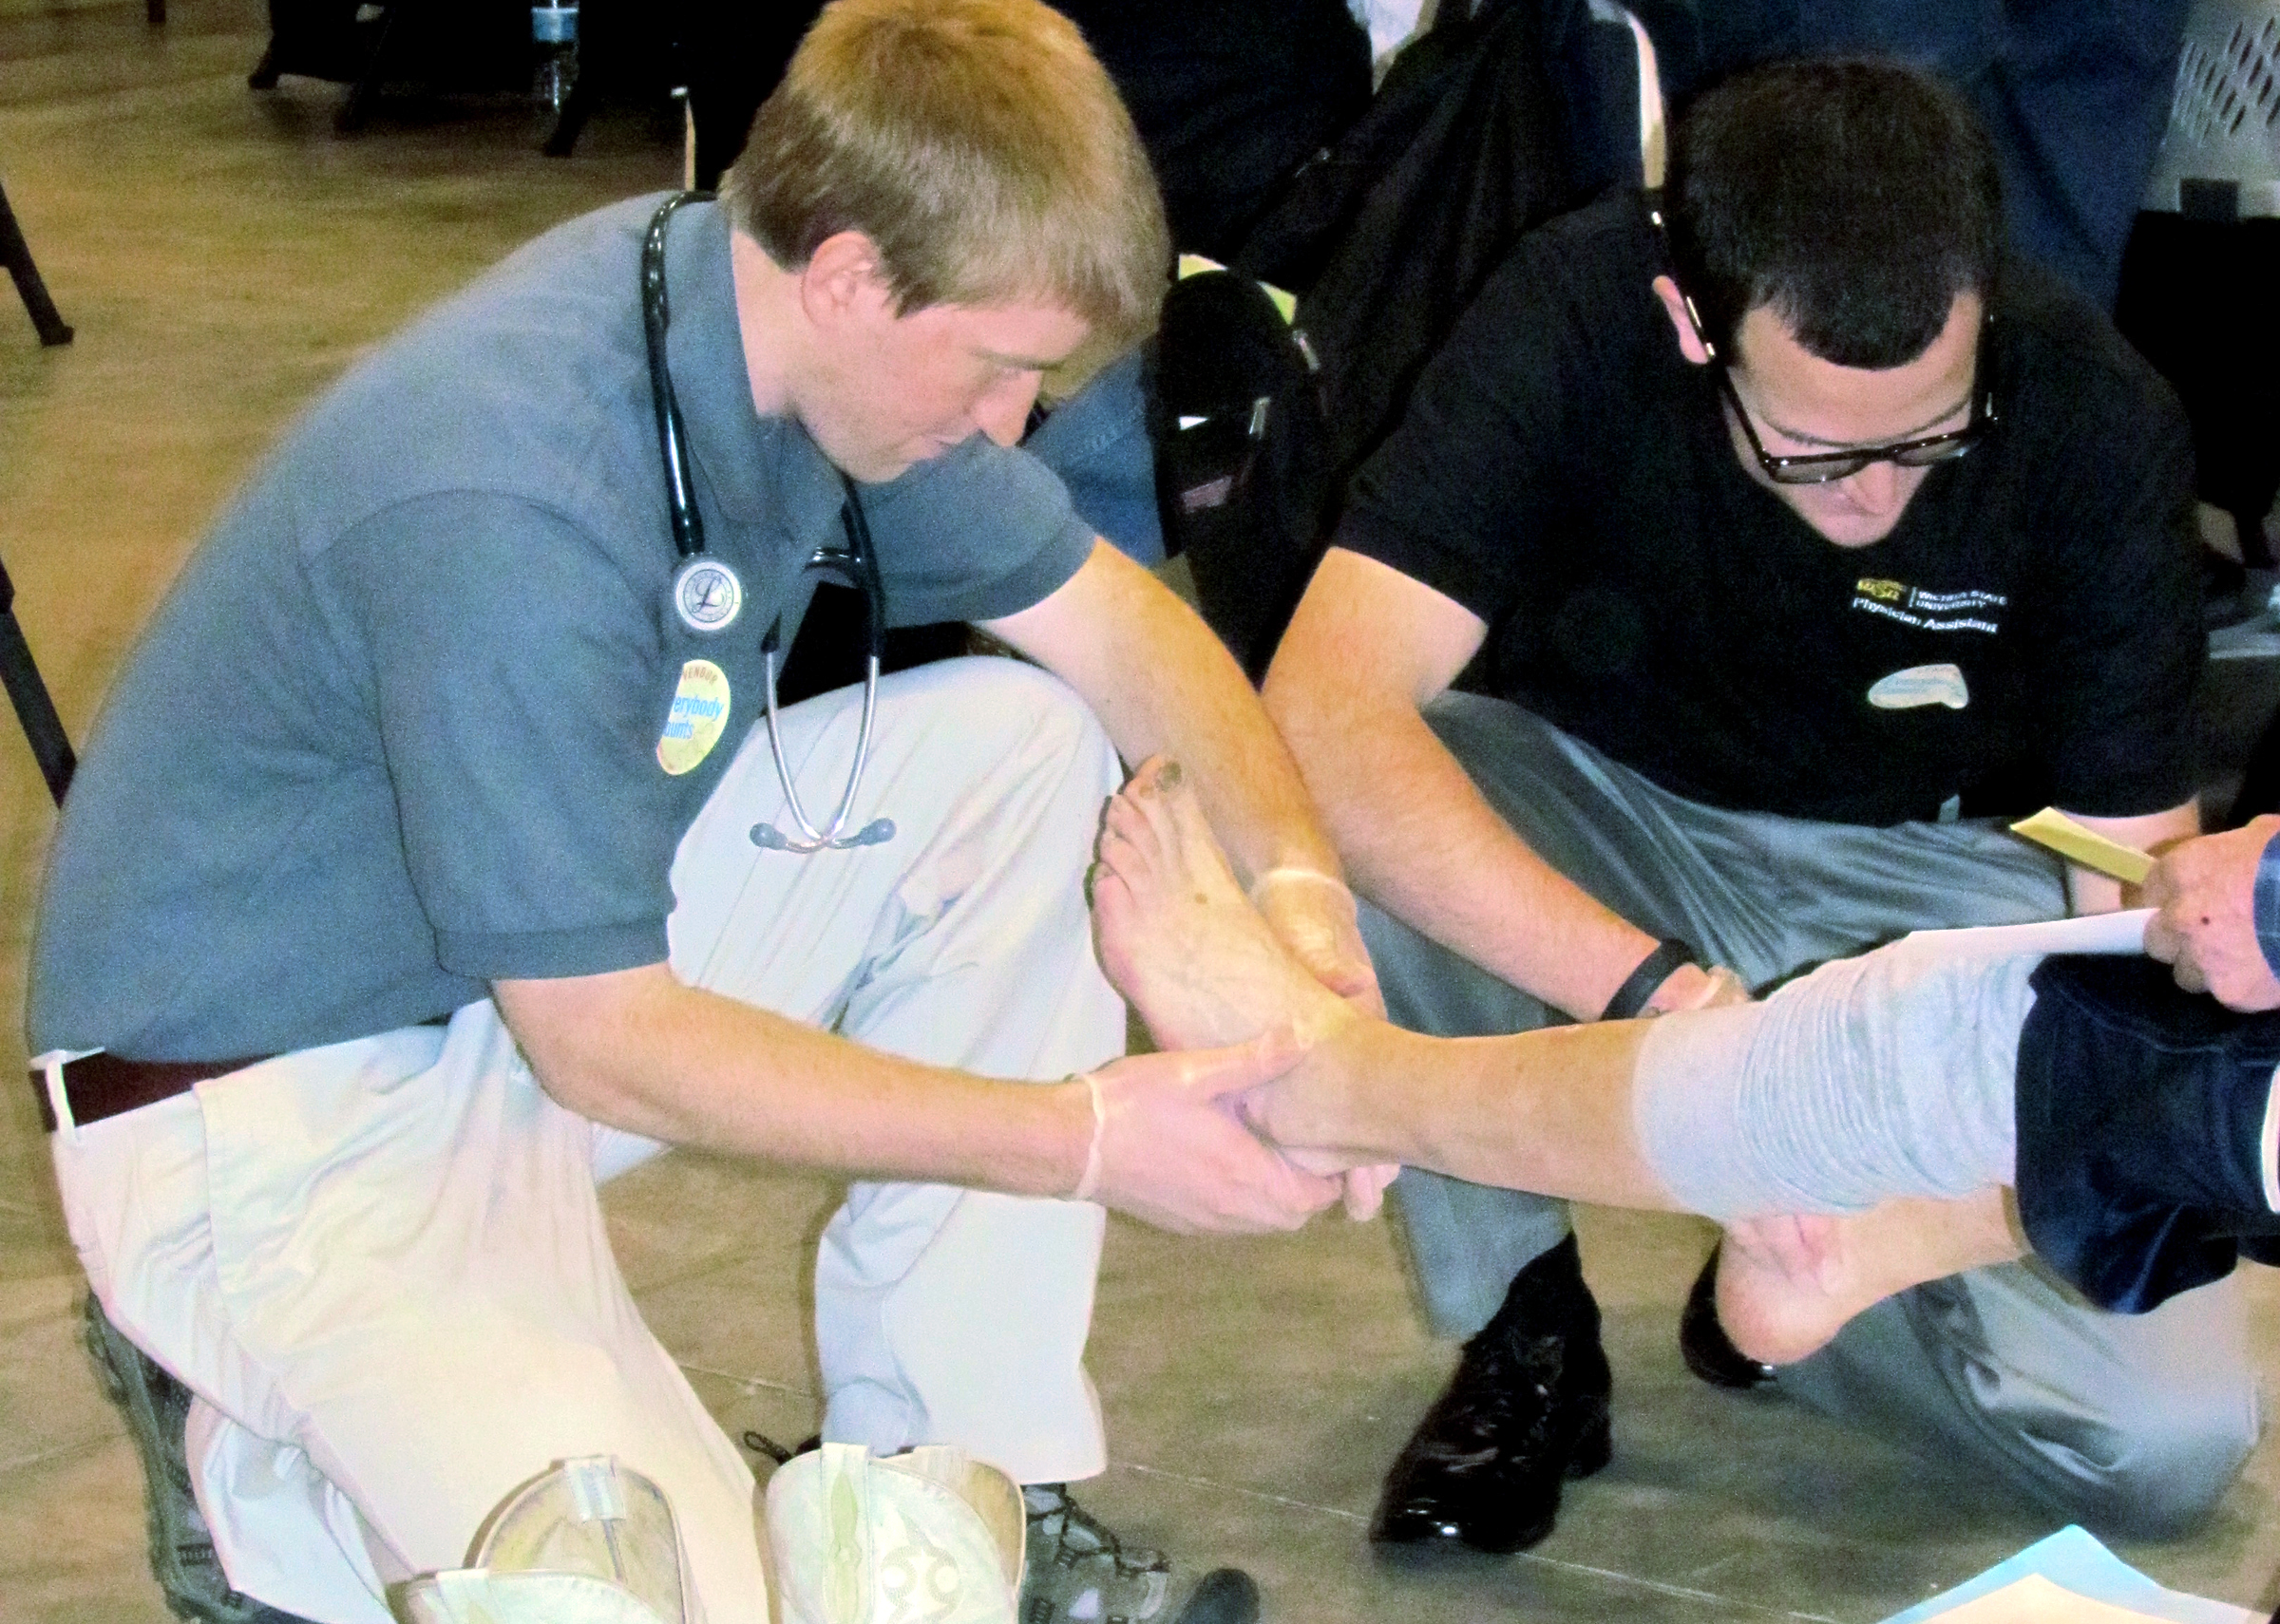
[1489, 125]
[1241, 455]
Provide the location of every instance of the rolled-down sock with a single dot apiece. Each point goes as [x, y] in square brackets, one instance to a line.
[1876, 1077]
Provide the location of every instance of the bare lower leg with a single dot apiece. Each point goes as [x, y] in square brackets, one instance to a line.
[1548, 1111]
[1779, 1310]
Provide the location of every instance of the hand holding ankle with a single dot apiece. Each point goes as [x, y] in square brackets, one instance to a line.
[1312, 914]
[1173, 1151]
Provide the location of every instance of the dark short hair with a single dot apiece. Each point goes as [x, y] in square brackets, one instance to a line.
[1854, 199]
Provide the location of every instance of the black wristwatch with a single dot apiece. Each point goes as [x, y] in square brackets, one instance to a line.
[1670, 954]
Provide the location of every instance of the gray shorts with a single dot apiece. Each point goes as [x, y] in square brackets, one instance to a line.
[1886, 1075]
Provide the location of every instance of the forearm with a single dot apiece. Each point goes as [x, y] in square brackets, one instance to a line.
[1166, 686]
[1419, 840]
[1204, 715]
[638, 1050]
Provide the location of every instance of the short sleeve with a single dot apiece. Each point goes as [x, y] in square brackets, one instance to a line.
[512, 669]
[976, 534]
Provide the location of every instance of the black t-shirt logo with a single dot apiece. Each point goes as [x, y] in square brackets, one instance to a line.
[1967, 609]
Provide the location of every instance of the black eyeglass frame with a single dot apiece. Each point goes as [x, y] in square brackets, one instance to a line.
[1826, 467]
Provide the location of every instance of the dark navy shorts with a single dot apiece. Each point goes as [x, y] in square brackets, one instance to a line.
[2141, 1116]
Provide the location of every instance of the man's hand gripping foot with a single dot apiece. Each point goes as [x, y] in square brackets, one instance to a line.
[1184, 945]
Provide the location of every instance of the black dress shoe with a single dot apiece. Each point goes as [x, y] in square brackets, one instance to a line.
[1526, 1409]
[1703, 1344]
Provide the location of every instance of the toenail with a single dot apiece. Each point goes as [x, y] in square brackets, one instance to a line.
[1169, 777]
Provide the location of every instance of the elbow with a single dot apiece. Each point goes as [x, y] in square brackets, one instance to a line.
[577, 1090]
[581, 1089]
[574, 1034]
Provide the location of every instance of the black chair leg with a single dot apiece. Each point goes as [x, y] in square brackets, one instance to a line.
[577, 107]
[16, 254]
[43, 729]
[365, 90]
[156, 12]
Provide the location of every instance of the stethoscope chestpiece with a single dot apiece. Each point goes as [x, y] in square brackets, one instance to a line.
[707, 594]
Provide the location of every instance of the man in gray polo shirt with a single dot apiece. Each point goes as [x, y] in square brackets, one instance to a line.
[416, 876]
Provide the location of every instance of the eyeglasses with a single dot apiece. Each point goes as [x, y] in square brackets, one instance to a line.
[1824, 467]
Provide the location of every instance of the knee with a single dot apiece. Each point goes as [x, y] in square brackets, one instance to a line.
[2163, 1472]
[1003, 722]
[1022, 701]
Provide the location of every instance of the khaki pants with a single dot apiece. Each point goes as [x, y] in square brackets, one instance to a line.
[382, 1269]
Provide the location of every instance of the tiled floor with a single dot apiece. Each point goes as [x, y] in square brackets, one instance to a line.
[222, 255]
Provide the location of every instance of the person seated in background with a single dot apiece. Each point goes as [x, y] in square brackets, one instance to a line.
[1948, 1101]
[1744, 551]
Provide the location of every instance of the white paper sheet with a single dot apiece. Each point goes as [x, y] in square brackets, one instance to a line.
[2092, 932]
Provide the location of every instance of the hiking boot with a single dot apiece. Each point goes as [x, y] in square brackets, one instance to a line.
[156, 1408]
[1077, 1572]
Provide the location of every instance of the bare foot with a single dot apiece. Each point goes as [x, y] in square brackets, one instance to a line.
[1178, 938]
[1786, 1286]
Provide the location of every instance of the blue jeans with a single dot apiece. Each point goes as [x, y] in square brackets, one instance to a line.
[1096, 441]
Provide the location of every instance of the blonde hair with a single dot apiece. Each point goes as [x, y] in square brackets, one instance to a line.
[979, 147]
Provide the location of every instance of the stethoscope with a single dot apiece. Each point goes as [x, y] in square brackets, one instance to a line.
[708, 595]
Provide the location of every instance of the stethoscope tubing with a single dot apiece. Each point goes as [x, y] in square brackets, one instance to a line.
[673, 440]
[857, 560]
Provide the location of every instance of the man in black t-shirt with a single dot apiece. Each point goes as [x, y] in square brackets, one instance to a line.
[1675, 642]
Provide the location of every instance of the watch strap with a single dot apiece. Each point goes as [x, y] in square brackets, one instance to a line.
[1631, 999]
